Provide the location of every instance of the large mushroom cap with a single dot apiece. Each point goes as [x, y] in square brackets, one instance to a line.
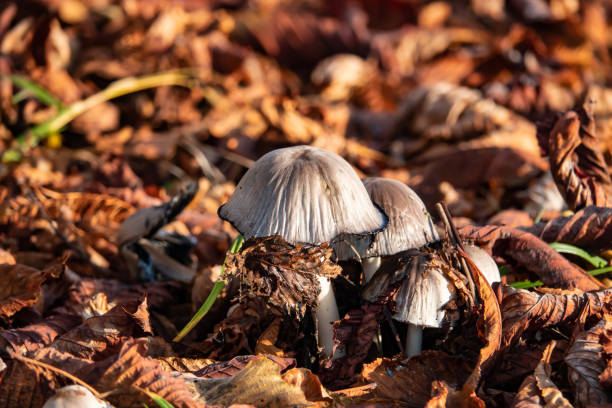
[410, 225]
[304, 194]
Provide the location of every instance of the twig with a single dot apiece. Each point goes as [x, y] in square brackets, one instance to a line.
[454, 236]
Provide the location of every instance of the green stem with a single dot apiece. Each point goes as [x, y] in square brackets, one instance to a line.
[212, 297]
[118, 88]
[596, 261]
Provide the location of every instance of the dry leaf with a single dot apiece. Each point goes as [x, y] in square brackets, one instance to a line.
[585, 364]
[538, 389]
[591, 227]
[20, 287]
[528, 311]
[533, 254]
[130, 368]
[259, 384]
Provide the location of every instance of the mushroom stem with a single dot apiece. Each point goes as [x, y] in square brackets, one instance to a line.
[327, 313]
[414, 340]
[369, 267]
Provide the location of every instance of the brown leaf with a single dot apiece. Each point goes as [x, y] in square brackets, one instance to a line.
[528, 311]
[411, 381]
[20, 287]
[130, 367]
[576, 161]
[489, 325]
[585, 365]
[100, 336]
[511, 218]
[28, 385]
[259, 384]
[284, 275]
[38, 335]
[444, 396]
[183, 364]
[519, 362]
[533, 254]
[237, 364]
[267, 340]
[591, 227]
[538, 389]
[353, 333]
[308, 382]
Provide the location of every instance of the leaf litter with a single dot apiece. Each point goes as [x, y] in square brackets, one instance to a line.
[124, 125]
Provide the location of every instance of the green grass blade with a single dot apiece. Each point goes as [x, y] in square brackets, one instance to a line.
[594, 260]
[600, 271]
[212, 297]
[158, 399]
[526, 284]
[35, 90]
[124, 86]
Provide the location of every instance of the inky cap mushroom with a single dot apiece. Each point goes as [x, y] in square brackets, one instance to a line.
[484, 262]
[410, 225]
[304, 194]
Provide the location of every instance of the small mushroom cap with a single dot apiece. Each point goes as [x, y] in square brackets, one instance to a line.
[484, 262]
[423, 294]
[74, 396]
[304, 194]
[410, 225]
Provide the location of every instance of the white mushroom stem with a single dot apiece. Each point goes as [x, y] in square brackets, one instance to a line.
[414, 340]
[327, 312]
[369, 267]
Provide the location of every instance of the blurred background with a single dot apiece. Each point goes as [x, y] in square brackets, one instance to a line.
[444, 96]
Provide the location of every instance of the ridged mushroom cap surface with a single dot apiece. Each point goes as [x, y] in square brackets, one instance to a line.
[304, 194]
[423, 294]
[410, 225]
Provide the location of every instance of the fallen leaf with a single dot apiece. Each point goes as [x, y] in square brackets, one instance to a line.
[576, 161]
[586, 365]
[130, 367]
[259, 384]
[538, 389]
[528, 311]
[533, 254]
[591, 227]
[20, 287]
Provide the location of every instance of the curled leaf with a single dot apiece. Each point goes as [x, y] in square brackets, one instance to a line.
[591, 227]
[528, 311]
[585, 365]
[533, 254]
[576, 161]
[538, 389]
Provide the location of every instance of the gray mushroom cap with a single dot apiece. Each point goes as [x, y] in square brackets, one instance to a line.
[304, 194]
[410, 225]
[423, 294]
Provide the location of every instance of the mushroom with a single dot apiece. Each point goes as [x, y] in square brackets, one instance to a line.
[306, 195]
[410, 224]
[484, 262]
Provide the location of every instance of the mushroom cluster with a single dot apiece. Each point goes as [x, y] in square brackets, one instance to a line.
[310, 196]
[305, 195]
